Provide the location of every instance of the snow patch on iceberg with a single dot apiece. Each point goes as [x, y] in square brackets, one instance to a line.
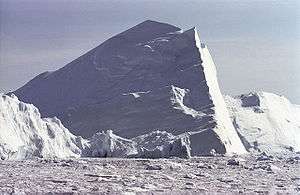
[177, 100]
[137, 94]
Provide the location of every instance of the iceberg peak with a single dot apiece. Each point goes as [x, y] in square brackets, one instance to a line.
[194, 35]
[146, 57]
[148, 29]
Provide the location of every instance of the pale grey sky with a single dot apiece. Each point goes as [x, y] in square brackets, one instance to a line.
[255, 44]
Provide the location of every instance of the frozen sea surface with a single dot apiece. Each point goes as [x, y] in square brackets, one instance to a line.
[205, 175]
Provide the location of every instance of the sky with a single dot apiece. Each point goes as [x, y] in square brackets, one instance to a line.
[255, 44]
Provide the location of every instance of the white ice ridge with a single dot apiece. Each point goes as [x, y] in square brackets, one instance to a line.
[24, 134]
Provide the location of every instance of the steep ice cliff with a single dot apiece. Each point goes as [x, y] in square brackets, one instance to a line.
[24, 134]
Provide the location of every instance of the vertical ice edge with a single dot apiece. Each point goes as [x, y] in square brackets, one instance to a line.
[224, 127]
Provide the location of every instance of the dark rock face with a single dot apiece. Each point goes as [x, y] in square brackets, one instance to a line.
[146, 78]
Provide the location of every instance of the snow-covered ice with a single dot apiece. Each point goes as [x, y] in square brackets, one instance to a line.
[201, 175]
[24, 134]
[266, 122]
[107, 144]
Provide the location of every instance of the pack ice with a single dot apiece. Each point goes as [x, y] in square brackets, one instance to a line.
[153, 76]
[266, 122]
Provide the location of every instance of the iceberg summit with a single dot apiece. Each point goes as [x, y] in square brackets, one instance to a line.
[155, 86]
